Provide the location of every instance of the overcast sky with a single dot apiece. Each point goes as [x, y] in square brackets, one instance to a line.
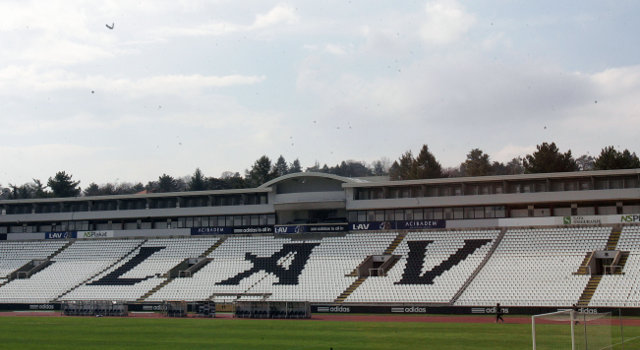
[177, 85]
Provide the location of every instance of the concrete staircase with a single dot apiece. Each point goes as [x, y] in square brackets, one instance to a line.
[395, 243]
[154, 289]
[342, 297]
[213, 247]
[620, 265]
[584, 266]
[614, 237]
[589, 290]
[60, 250]
[389, 251]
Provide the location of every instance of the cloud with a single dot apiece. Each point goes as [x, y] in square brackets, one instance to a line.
[277, 15]
[67, 33]
[62, 52]
[49, 150]
[446, 21]
[176, 83]
[485, 104]
[613, 80]
[608, 114]
[325, 82]
[208, 29]
[435, 88]
[335, 49]
[53, 33]
[16, 79]
[510, 151]
[48, 158]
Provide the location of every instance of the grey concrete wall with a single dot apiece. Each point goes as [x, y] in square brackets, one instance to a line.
[140, 213]
[495, 199]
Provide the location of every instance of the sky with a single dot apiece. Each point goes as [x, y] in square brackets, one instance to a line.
[180, 85]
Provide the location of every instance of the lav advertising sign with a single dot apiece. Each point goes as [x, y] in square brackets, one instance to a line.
[60, 235]
[398, 225]
[293, 229]
[289, 229]
[225, 230]
[370, 226]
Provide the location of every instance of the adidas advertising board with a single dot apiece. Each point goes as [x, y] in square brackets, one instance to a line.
[42, 307]
[488, 310]
[409, 310]
[336, 309]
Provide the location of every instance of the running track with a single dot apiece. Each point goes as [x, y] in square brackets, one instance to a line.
[349, 318]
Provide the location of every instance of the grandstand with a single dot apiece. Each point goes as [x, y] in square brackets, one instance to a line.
[529, 242]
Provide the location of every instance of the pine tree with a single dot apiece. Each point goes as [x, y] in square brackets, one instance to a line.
[260, 172]
[610, 158]
[426, 165]
[197, 182]
[477, 164]
[548, 159]
[62, 186]
[280, 168]
[295, 167]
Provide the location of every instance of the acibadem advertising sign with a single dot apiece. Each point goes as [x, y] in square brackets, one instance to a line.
[397, 225]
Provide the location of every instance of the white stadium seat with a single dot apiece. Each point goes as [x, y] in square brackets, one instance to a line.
[528, 267]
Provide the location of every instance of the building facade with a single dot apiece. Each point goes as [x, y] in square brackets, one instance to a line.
[318, 202]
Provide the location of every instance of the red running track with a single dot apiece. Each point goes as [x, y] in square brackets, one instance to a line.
[348, 318]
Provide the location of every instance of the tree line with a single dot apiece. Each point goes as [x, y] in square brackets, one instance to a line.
[546, 159]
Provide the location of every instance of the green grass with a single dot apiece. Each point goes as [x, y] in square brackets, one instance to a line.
[175, 334]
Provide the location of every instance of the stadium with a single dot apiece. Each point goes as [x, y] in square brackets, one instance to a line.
[319, 244]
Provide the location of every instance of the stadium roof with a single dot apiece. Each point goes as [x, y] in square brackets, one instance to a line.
[542, 176]
[312, 174]
[347, 182]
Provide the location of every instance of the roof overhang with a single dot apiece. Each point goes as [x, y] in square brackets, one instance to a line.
[311, 174]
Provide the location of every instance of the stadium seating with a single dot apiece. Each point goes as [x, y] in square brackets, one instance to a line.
[445, 244]
[14, 255]
[133, 277]
[535, 267]
[622, 289]
[321, 279]
[71, 267]
[515, 267]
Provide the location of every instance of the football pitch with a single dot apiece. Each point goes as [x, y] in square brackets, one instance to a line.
[174, 334]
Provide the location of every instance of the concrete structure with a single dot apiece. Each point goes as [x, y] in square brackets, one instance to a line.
[310, 199]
